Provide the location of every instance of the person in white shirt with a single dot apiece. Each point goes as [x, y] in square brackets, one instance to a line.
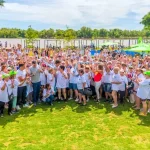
[73, 76]
[139, 77]
[143, 93]
[43, 75]
[107, 79]
[61, 83]
[13, 88]
[22, 89]
[48, 94]
[81, 84]
[51, 78]
[3, 94]
[116, 81]
[122, 86]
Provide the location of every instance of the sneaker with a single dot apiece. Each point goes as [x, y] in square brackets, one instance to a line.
[2, 116]
[142, 114]
[76, 100]
[148, 111]
[98, 101]
[35, 104]
[136, 108]
[127, 100]
[13, 112]
[83, 105]
[114, 106]
[70, 98]
[25, 105]
[141, 109]
[10, 114]
[88, 99]
[18, 107]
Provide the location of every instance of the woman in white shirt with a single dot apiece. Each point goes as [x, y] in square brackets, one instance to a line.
[12, 89]
[143, 93]
[81, 84]
[3, 93]
[122, 86]
[139, 77]
[116, 81]
[61, 83]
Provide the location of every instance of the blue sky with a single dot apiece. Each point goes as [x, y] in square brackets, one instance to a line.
[44, 14]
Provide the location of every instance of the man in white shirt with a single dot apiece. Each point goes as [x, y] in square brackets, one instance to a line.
[22, 89]
[107, 79]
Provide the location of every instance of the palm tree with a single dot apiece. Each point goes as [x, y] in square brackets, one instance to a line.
[2, 3]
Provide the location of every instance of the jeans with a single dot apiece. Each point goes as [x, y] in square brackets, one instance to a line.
[97, 89]
[50, 99]
[14, 102]
[122, 96]
[21, 96]
[36, 91]
[2, 104]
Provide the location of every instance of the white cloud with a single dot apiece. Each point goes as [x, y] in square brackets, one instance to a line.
[73, 12]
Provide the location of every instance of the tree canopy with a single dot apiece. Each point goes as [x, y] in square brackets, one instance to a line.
[2, 3]
[84, 32]
[146, 21]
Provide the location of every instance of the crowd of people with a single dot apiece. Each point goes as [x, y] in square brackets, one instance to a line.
[58, 77]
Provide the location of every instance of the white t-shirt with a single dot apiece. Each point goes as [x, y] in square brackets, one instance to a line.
[107, 77]
[21, 74]
[87, 75]
[143, 91]
[80, 81]
[48, 93]
[43, 78]
[51, 79]
[3, 94]
[73, 76]
[124, 81]
[61, 80]
[13, 90]
[116, 78]
[141, 77]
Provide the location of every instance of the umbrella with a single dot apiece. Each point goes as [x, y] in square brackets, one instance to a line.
[108, 43]
[140, 45]
[140, 49]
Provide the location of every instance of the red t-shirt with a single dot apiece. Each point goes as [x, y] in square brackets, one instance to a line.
[97, 77]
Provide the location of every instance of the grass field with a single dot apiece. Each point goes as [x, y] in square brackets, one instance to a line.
[73, 127]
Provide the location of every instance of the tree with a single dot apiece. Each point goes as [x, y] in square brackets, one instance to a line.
[2, 3]
[146, 21]
[59, 34]
[69, 35]
[103, 33]
[47, 33]
[31, 36]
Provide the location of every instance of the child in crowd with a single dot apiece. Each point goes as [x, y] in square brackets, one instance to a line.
[48, 94]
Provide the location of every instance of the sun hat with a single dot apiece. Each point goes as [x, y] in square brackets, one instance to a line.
[147, 73]
[12, 73]
[5, 76]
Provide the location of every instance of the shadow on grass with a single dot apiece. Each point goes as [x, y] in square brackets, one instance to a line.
[27, 112]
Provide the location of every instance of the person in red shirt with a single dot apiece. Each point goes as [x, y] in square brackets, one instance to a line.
[98, 73]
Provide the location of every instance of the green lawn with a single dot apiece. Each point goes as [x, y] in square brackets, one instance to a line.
[73, 127]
